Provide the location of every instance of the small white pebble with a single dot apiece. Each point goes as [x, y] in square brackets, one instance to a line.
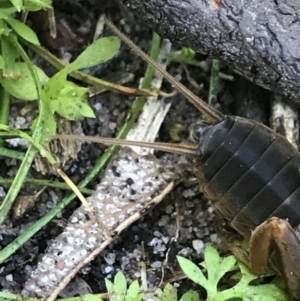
[112, 126]
[2, 192]
[169, 209]
[156, 265]
[110, 258]
[188, 193]
[213, 237]
[9, 277]
[185, 251]
[97, 106]
[210, 209]
[153, 242]
[20, 121]
[190, 204]
[165, 239]
[157, 234]
[109, 269]
[198, 245]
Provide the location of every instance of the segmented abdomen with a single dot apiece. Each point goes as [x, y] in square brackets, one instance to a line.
[250, 173]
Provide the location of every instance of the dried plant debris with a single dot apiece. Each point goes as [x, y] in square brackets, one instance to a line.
[285, 120]
[64, 151]
[125, 193]
[24, 203]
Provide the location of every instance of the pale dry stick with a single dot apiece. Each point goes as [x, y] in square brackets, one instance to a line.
[285, 120]
[143, 269]
[102, 246]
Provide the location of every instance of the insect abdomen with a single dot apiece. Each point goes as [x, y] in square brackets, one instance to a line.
[250, 174]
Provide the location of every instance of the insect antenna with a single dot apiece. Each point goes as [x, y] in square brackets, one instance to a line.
[203, 107]
[187, 150]
[180, 149]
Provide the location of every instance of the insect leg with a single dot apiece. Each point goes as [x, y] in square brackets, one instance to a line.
[277, 235]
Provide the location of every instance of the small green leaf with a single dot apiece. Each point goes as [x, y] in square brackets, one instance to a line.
[70, 102]
[133, 291]
[99, 51]
[6, 12]
[185, 55]
[18, 4]
[23, 30]
[247, 276]
[11, 56]
[48, 123]
[169, 293]
[120, 286]
[190, 296]
[24, 88]
[212, 261]
[109, 286]
[90, 297]
[225, 266]
[192, 271]
[35, 5]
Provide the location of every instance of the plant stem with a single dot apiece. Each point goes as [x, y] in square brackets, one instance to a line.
[10, 153]
[4, 108]
[88, 79]
[48, 183]
[30, 154]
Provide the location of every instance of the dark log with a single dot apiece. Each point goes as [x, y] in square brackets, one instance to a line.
[259, 39]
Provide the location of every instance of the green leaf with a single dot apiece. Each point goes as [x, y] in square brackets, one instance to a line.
[47, 124]
[192, 271]
[90, 297]
[10, 56]
[169, 293]
[98, 52]
[6, 12]
[133, 291]
[185, 55]
[18, 4]
[23, 30]
[190, 296]
[35, 5]
[109, 286]
[212, 261]
[24, 88]
[225, 266]
[71, 102]
[120, 286]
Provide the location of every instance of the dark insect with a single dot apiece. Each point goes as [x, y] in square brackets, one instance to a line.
[251, 176]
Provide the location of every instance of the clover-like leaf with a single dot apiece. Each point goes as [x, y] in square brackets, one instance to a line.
[192, 271]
